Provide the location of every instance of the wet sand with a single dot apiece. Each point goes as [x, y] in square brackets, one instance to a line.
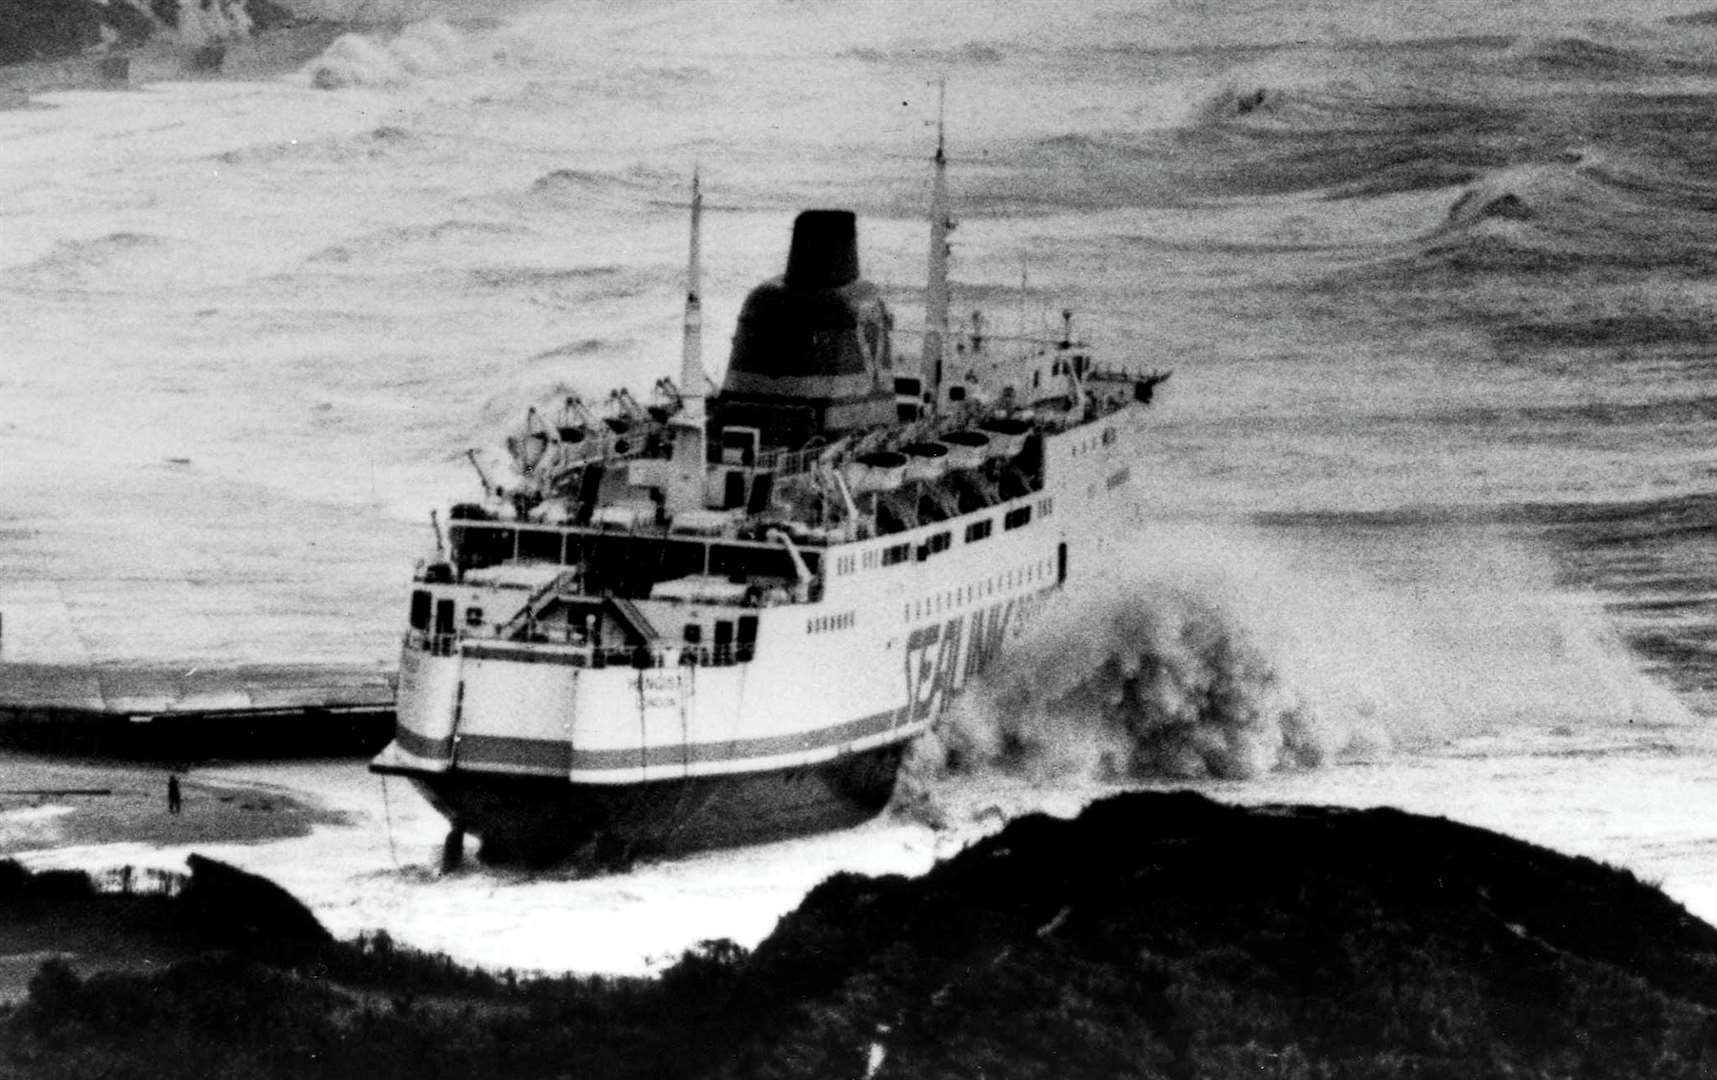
[48, 803]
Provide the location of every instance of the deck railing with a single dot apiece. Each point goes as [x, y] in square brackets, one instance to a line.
[576, 655]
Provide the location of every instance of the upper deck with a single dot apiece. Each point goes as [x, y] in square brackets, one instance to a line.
[735, 498]
[768, 513]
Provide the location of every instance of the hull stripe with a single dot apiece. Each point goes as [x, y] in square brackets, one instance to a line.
[422, 745]
[548, 755]
[560, 757]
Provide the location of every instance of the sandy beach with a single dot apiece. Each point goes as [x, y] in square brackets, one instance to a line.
[46, 803]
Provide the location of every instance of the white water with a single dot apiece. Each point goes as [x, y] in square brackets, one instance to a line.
[1482, 700]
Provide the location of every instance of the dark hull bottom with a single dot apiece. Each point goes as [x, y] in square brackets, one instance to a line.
[534, 821]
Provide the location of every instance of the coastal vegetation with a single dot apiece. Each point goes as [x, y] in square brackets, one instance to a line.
[1154, 935]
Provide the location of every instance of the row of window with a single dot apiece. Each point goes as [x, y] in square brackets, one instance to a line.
[824, 623]
[953, 599]
[1085, 446]
[936, 543]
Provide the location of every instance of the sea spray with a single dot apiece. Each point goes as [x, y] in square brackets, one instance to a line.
[1227, 652]
[421, 49]
[1169, 672]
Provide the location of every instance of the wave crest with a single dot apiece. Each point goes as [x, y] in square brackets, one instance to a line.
[421, 49]
[1223, 655]
[1572, 55]
[1174, 685]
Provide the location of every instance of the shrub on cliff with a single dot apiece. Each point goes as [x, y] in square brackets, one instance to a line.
[1154, 936]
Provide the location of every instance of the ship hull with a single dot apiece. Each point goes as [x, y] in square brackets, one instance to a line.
[543, 821]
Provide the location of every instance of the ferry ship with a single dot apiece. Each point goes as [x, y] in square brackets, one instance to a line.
[722, 617]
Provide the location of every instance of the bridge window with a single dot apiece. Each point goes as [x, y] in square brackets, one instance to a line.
[978, 530]
[540, 544]
[1016, 517]
[477, 546]
[420, 610]
[899, 553]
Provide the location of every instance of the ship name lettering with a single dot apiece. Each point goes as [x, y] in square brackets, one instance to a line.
[936, 666]
[931, 652]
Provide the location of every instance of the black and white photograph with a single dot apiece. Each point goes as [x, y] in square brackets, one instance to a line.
[858, 539]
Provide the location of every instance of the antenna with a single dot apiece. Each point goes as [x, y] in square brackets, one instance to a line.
[936, 285]
[692, 376]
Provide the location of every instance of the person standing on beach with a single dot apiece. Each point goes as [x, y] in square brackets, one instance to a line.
[173, 794]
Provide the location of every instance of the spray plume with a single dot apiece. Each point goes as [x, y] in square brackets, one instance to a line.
[1228, 655]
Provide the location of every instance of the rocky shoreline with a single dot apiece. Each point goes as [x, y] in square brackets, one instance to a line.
[1154, 935]
[44, 30]
[61, 45]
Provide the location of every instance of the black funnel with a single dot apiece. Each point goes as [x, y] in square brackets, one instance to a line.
[824, 254]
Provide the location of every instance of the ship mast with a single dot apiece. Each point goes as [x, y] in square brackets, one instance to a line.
[691, 358]
[936, 286]
[686, 476]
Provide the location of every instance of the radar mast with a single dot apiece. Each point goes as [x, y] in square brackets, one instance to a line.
[686, 474]
[936, 285]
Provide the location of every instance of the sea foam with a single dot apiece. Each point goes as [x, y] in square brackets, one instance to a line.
[1226, 652]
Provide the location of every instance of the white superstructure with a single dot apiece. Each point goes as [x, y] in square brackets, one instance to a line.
[722, 617]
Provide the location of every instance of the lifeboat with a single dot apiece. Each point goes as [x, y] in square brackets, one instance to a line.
[1007, 435]
[966, 449]
[925, 460]
[880, 470]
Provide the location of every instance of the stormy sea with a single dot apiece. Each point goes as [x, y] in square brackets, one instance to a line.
[1427, 518]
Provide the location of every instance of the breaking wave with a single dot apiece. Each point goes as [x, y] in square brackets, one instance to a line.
[1580, 211]
[1249, 134]
[421, 49]
[1343, 124]
[630, 187]
[1230, 656]
[1171, 685]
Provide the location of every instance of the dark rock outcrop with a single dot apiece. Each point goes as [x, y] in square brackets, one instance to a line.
[1156, 935]
[242, 911]
[55, 29]
[1169, 935]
